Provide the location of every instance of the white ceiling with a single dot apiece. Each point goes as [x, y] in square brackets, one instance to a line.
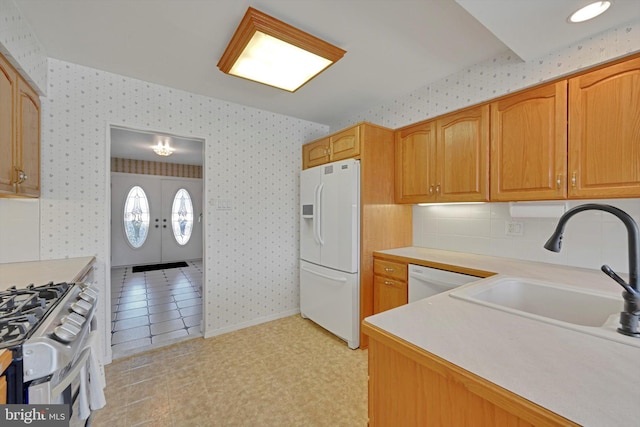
[393, 46]
[534, 28]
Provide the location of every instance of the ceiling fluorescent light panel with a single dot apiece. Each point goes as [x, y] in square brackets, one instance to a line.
[271, 52]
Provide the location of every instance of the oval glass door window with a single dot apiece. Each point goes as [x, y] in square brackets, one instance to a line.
[136, 217]
[182, 216]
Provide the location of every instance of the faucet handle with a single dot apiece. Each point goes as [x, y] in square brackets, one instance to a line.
[609, 272]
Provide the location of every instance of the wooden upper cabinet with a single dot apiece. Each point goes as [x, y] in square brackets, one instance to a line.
[463, 156]
[8, 82]
[342, 145]
[444, 160]
[29, 139]
[604, 132]
[19, 135]
[345, 144]
[529, 145]
[315, 153]
[416, 163]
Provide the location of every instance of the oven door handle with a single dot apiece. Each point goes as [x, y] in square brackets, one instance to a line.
[72, 374]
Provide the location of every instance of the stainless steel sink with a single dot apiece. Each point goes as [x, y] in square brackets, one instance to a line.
[582, 310]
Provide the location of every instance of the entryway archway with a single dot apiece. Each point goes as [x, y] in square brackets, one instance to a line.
[157, 227]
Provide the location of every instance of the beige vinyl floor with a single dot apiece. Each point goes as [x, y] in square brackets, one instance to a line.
[288, 372]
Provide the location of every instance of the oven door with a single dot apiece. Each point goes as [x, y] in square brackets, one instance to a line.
[65, 390]
[67, 387]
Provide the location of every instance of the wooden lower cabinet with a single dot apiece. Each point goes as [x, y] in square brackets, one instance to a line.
[6, 357]
[388, 294]
[410, 387]
[390, 289]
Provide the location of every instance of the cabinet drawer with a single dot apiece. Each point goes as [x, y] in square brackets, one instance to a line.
[388, 293]
[396, 270]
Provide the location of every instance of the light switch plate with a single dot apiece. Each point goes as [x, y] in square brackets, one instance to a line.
[223, 204]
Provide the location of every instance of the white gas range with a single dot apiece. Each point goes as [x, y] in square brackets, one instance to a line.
[51, 331]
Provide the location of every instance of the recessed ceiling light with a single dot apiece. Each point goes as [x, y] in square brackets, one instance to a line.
[589, 11]
[269, 51]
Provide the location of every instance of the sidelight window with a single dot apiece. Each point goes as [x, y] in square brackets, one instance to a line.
[136, 217]
[182, 216]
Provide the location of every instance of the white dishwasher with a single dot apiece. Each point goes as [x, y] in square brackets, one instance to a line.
[426, 281]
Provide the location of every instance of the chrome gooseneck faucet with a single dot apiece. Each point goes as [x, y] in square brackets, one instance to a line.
[631, 315]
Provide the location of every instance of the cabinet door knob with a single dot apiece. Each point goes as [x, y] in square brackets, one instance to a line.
[573, 179]
[438, 188]
[22, 177]
[389, 270]
[387, 282]
[431, 189]
[559, 181]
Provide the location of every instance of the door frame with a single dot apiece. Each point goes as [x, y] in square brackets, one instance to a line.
[105, 316]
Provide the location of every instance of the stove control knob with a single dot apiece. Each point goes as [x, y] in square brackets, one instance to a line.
[74, 318]
[81, 307]
[87, 297]
[66, 332]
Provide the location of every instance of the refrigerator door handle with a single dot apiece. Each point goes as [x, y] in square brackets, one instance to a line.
[316, 214]
[332, 278]
[318, 222]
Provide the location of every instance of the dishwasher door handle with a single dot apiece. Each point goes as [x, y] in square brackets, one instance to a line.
[425, 278]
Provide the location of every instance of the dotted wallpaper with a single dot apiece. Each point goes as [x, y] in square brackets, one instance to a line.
[21, 47]
[498, 76]
[252, 159]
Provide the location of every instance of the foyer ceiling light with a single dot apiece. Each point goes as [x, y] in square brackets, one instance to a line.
[269, 51]
[589, 11]
[163, 149]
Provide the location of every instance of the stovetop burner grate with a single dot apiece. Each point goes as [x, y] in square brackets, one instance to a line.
[21, 310]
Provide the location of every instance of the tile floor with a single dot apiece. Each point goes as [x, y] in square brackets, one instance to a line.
[154, 308]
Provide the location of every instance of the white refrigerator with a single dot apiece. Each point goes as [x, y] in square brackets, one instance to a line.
[330, 248]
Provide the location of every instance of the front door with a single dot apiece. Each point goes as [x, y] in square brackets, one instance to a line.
[182, 210]
[155, 219]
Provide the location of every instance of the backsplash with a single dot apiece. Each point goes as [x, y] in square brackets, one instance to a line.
[591, 238]
[20, 241]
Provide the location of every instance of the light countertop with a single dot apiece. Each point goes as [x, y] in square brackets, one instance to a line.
[589, 380]
[22, 274]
